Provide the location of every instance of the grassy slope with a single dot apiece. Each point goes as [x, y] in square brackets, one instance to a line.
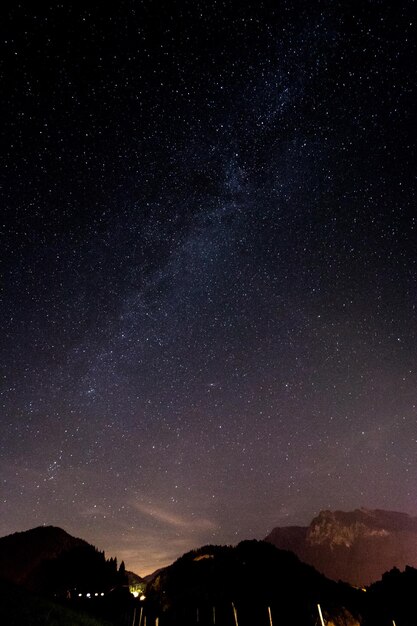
[18, 608]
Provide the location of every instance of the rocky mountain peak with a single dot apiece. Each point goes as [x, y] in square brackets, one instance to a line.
[337, 528]
[356, 546]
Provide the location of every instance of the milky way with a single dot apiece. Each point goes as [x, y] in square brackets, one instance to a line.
[208, 266]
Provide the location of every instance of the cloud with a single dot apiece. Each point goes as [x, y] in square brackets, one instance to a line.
[148, 536]
[173, 520]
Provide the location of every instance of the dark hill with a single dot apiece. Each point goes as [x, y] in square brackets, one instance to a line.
[50, 561]
[22, 553]
[356, 546]
[393, 596]
[253, 576]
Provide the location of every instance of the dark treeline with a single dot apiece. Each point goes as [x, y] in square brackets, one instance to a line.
[252, 584]
[217, 585]
[210, 584]
[83, 569]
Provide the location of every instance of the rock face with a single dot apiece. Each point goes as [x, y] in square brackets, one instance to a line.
[356, 546]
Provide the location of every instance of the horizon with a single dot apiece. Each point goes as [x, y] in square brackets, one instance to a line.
[113, 553]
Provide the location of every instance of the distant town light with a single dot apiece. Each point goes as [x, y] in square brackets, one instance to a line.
[142, 597]
[102, 594]
[135, 594]
[80, 595]
[88, 595]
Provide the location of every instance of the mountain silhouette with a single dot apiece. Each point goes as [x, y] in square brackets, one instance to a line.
[50, 561]
[214, 581]
[356, 546]
[253, 581]
[21, 553]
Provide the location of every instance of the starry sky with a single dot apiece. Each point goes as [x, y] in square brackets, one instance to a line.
[208, 268]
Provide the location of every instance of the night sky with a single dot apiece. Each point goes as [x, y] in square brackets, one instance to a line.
[208, 268]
